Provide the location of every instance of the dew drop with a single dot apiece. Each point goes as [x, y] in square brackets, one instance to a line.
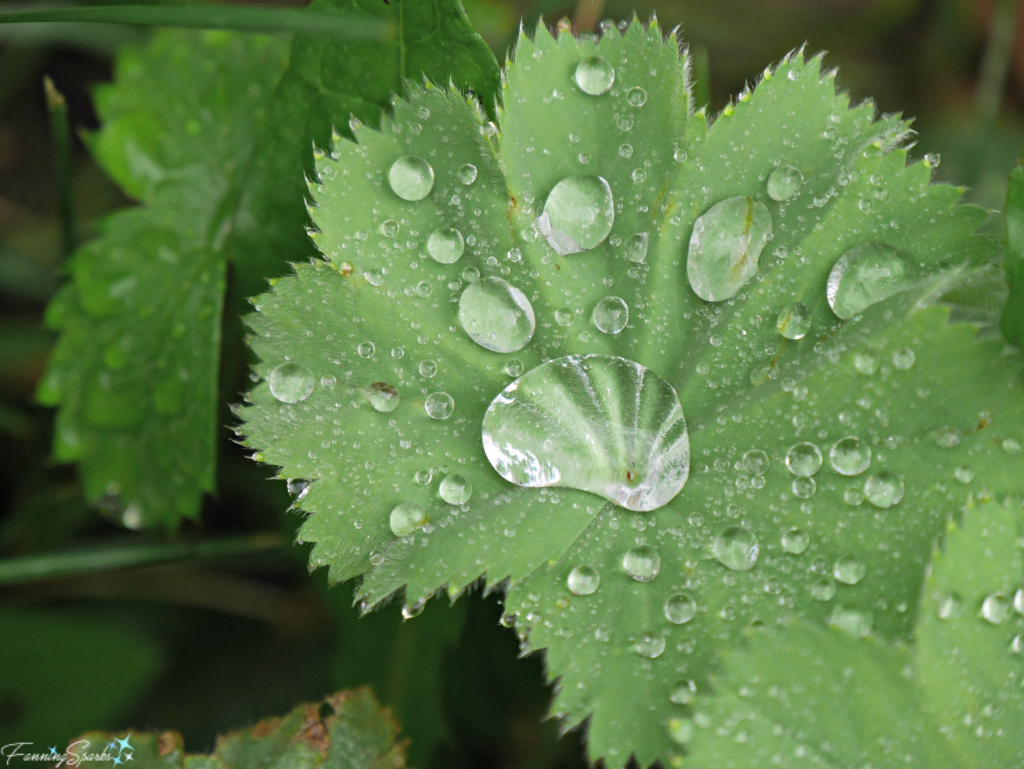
[948, 607]
[642, 563]
[578, 214]
[863, 276]
[964, 474]
[445, 245]
[636, 96]
[794, 321]
[467, 174]
[455, 489]
[328, 382]
[755, 462]
[583, 580]
[471, 274]
[804, 460]
[366, 349]
[725, 245]
[804, 488]
[411, 178]
[496, 315]
[850, 456]
[683, 692]
[903, 359]
[564, 316]
[594, 75]
[611, 315]
[382, 396]
[439, 405]
[390, 228]
[737, 548]
[514, 368]
[1011, 446]
[865, 363]
[291, 382]
[1017, 644]
[636, 247]
[883, 489]
[849, 570]
[823, 589]
[783, 182]
[427, 369]
[996, 608]
[947, 437]
[852, 622]
[406, 518]
[680, 730]
[795, 541]
[650, 645]
[680, 609]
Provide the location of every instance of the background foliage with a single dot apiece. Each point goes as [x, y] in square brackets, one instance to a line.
[212, 642]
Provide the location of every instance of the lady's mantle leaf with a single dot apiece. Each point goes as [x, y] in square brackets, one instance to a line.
[377, 378]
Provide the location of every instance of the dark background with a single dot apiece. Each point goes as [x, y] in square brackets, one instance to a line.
[208, 645]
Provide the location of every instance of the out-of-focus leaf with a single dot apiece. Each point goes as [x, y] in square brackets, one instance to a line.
[1013, 315]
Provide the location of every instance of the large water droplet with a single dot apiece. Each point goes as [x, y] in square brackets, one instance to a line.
[611, 315]
[883, 489]
[595, 423]
[406, 518]
[783, 182]
[680, 609]
[642, 563]
[497, 315]
[467, 174]
[725, 246]
[291, 382]
[636, 96]
[411, 178]
[455, 489]
[737, 548]
[439, 405]
[445, 245]
[382, 396]
[996, 608]
[578, 214]
[795, 541]
[583, 580]
[849, 570]
[636, 247]
[794, 321]
[594, 75]
[865, 275]
[650, 645]
[804, 460]
[850, 456]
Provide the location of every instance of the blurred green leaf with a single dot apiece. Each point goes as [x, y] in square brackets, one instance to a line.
[1013, 315]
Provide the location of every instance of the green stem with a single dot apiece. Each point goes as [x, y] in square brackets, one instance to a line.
[244, 18]
[32, 568]
[998, 52]
[60, 135]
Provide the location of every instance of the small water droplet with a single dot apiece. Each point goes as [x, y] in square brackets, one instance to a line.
[411, 178]
[794, 321]
[564, 316]
[883, 489]
[683, 692]
[680, 609]
[946, 437]
[783, 182]
[804, 488]
[467, 174]
[679, 156]
[650, 645]
[642, 563]
[804, 460]
[578, 214]
[795, 541]
[865, 275]
[427, 368]
[849, 570]
[390, 228]
[1017, 644]
[406, 518]
[583, 580]
[439, 405]
[725, 246]
[594, 75]
[636, 96]
[680, 730]
[903, 359]
[471, 274]
[964, 474]
[737, 548]
[996, 608]
[755, 462]
[366, 349]
[636, 247]
[496, 315]
[850, 456]
[852, 622]
[611, 315]
[948, 606]
[1011, 446]
[865, 363]
[823, 589]
[514, 367]
[291, 382]
[446, 245]
[382, 396]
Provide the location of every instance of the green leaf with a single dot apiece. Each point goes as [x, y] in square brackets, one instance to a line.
[135, 371]
[1013, 313]
[379, 309]
[970, 638]
[348, 730]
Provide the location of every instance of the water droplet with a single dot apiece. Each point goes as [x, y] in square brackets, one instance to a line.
[328, 382]
[423, 477]
[948, 607]
[903, 359]
[390, 228]
[427, 369]
[642, 563]
[737, 548]
[680, 730]
[996, 608]
[445, 245]
[804, 459]
[783, 182]
[1011, 446]
[406, 518]
[411, 178]
[366, 349]
[823, 589]
[595, 423]
[850, 456]
[680, 609]
[683, 692]
[946, 437]
[650, 645]
[1018, 601]
[578, 214]
[679, 156]
[804, 488]
[497, 315]
[471, 274]
[863, 276]
[795, 541]
[636, 96]
[725, 246]
[849, 570]
[594, 75]
[626, 150]
[636, 247]
[865, 364]
[1017, 644]
[883, 489]
[382, 396]
[964, 474]
[467, 174]
[755, 462]
[455, 489]
[852, 622]
[794, 321]
[564, 316]
[853, 495]
[439, 405]
[583, 580]
[611, 315]
[291, 382]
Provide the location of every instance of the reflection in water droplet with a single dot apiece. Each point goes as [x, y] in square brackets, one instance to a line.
[754, 462]
[583, 580]
[636, 96]
[366, 349]
[578, 214]
[849, 570]
[390, 228]
[471, 274]
[382, 396]
[736, 548]
[406, 518]
[996, 608]
[823, 589]
[804, 460]
[594, 75]
[683, 692]
[595, 423]
[850, 456]
[611, 315]
[650, 645]
[411, 178]
[794, 321]
[725, 246]
[497, 315]
[467, 174]
[795, 541]
[455, 489]
[439, 405]
[445, 245]
[427, 369]
[783, 182]
[514, 367]
[291, 382]
[903, 359]
[642, 563]
[883, 489]
[680, 609]
[636, 247]
[863, 276]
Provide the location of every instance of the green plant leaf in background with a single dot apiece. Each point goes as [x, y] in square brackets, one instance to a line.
[379, 365]
[348, 730]
[1013, 314]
